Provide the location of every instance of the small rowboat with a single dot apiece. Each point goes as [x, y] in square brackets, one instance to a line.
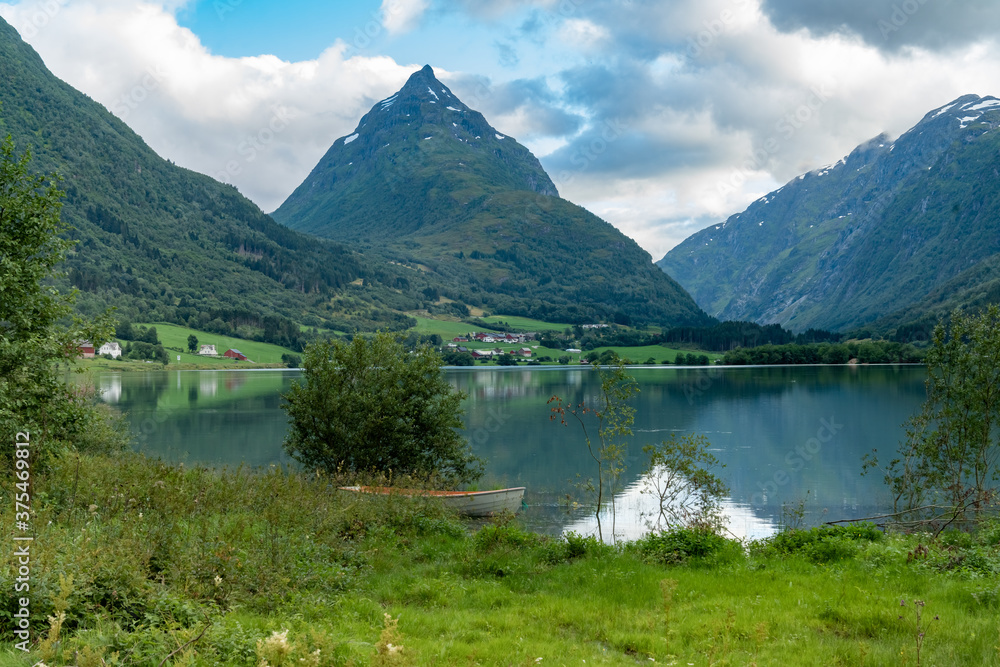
[469, 503]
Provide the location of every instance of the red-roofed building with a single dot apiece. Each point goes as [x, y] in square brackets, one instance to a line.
[235, 354]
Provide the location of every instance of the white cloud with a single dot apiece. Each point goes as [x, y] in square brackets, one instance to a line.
[260, 123]
[583, 34]
[708, 104]
[399, 16]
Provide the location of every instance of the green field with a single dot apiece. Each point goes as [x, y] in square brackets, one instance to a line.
[427, 326]
[525, 323]
[449, 329]
[174, 339]
[639, 355]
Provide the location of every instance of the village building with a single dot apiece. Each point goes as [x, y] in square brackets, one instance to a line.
[85, 348]
[112, 348]
[235, 354]
[208, 351]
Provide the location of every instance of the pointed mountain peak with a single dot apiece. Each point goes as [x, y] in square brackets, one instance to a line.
[424, 124]
[423, 87]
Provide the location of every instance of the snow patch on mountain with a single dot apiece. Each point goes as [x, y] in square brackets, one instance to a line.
[943, 109]
[985, 104]
[351, 138]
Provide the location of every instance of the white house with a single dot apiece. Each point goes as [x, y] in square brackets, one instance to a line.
[112, 348]
[208, 351]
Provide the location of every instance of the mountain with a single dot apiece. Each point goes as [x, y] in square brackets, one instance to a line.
[874, 234]
[426, 182]
[164, 243]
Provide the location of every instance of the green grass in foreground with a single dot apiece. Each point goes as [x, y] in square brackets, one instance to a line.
[211, 564]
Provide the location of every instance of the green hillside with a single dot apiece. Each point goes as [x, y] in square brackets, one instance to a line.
[873, 234]
[174, 339]
[163, 243]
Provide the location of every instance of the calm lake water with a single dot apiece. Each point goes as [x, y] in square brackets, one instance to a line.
[784, 433]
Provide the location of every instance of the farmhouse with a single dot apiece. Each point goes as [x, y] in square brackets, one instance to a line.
[235, 354]
[85, 348]
[208, 351]
[112, 348]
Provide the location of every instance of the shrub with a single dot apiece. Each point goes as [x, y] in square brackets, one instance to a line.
[680, 545]
[821, 544]
[371, 406]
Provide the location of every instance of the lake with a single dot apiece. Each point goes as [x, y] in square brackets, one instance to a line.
[786, 434]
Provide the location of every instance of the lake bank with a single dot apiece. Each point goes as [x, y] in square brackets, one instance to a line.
[163, 555]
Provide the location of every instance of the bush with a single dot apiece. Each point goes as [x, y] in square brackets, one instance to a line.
[371, 406]
[821, 544]
[456, 358]
[683, 544]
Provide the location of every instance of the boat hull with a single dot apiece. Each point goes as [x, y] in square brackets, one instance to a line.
[467, 503]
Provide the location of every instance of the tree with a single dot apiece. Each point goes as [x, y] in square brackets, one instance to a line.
[456, 358]
[34, 338]
[507, 360]
[371, 406]
[192, 343]
[947, 469]
[678, 474]
[614, 426]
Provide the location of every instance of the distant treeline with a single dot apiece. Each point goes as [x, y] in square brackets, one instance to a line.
[727, 336]
[866, 352]
[721, 337]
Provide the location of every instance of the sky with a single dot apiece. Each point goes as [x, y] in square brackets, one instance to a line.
[660, 117]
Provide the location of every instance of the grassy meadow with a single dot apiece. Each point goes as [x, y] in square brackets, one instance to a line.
[174, 340]
[138, 562]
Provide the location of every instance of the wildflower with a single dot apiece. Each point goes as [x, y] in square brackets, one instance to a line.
[218, 580]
